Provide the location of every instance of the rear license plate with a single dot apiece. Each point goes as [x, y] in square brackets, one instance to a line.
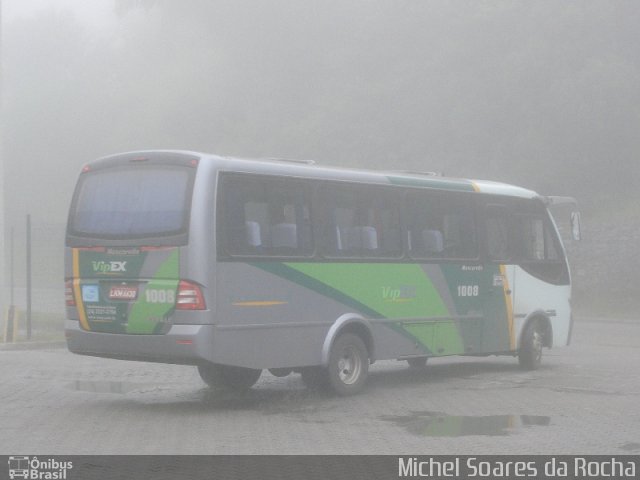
[123, 292]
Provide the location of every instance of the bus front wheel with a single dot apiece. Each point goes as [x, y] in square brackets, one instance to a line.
[234, 378]
[348, 364]
[530, 354]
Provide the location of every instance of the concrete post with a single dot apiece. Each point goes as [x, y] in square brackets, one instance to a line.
[3, 272]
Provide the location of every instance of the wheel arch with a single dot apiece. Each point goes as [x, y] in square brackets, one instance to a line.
[349, 323]
[542, 316]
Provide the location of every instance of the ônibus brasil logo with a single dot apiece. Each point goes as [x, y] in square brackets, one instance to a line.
[35, 469]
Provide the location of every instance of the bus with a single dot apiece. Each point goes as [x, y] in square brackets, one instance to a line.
[237, 266]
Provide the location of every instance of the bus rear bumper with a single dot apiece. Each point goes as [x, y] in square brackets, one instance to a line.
[183, 344]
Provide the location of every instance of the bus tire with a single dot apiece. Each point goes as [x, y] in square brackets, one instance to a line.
[226, 376]
[530, 354]
[348, 365]
[417, 362]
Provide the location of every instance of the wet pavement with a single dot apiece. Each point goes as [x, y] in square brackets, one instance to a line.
[584, 399]
[433, 424]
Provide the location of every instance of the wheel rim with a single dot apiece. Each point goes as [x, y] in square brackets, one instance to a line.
[537, 344]
[349, 366]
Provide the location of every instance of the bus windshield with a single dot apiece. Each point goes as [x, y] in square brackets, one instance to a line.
[132, 202]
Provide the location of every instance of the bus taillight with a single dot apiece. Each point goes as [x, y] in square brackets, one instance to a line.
[68, 294]
[189, 297]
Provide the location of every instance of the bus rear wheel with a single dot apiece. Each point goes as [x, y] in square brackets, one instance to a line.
[348, 365]
[226, 376]
[530, 354]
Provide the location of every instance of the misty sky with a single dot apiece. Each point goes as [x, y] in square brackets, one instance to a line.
[542, 94]
[97, 13]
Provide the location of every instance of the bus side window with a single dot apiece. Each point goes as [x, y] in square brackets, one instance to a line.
[440, 225]
[266, 216]
[284, 235]
[498, 233]
[360, 222]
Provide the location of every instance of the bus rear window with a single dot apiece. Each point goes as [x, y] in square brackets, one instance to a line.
[132, 202]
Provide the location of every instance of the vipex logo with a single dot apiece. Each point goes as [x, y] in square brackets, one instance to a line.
[35, 469]
[403, 293]
[109, 267]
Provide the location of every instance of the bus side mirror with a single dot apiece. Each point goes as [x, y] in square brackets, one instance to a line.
[576, 229]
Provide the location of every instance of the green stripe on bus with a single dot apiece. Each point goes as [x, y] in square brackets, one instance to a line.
[295, 275]
[381, 291]
[395, 290]
[146, 317]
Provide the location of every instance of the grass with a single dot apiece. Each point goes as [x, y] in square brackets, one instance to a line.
[45, 327]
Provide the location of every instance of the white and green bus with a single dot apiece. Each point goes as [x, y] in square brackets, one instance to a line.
[237, 266]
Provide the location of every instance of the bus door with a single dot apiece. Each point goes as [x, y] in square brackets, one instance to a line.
[468, 286]
[499, 280]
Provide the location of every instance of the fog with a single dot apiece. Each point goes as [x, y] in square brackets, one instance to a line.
[543, 94]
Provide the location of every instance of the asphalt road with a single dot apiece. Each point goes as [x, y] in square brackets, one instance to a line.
[585, 399]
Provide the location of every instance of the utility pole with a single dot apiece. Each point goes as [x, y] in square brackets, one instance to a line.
[3, 272]
[29, 285]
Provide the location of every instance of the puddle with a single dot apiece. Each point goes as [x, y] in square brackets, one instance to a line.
[631, 447]
[104, 386]
[434, 424]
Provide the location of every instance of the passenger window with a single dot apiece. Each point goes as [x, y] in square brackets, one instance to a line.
[360, 222]
[440, 225]
[266, 216]
[498, 233]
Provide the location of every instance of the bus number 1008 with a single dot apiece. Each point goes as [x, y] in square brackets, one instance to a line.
[468, 290]
[159, 296]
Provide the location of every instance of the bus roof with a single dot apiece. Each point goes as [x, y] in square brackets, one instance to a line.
[309, 169]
